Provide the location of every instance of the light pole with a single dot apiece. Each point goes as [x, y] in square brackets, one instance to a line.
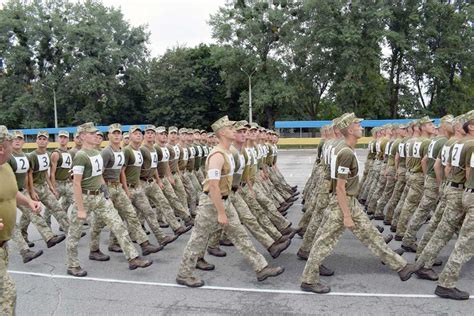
[250, 91]
[54, 104]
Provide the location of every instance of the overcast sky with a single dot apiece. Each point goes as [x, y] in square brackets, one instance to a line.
[171, 22]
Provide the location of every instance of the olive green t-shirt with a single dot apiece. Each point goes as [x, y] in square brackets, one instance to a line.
[183, 157]
[382, 144]
[150, 162]
[164, 156]
[8, 191]
[331, 151]
[174, 157]
[419, 150]
[250, 170]
[40, 164]
[20, 165]
[89, 163]
[64, 165]
[198, 156]
[240, 163]
[372, 150]
[319, 150]
[434, 149]
[114, 161]
[205, 153]
[346, 166]
[133, 165]
[470, 164]
[393, 151]
[191, 158]
[459, 160]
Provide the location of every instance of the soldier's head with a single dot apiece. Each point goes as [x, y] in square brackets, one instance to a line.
[115, 133]
[403, 130]
[18, 140]
[87, 132]
[126, 138]
[224, 129]
[447, 124]
[173, 134]
[5, 144]
[150, 133]
[136, 136]
[203, 136]
[161, 135]
[458, 125]
[77, 140]
[197, 135]
[241, 129]
[63, 138]
[100, 137]
[468, 124]
[182, 134]
[42, 139]
[350, 126]
[426, 125]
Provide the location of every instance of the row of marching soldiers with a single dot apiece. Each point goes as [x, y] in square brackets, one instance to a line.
[415, 173]
[153, 176]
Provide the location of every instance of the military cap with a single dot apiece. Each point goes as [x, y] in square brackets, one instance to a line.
[115, 127]
[196, 131]
[160, 129]
[449, 119]
[100, 133]
[203, 131]
[221, 123]
[172, 129]
[242, 125]
[126, 135]
[469, 115]
[403, 126]
[210, 134]
[413, 123]
[4, 134]
[150, 128]
[63, 133]
[425, 120]
[87, 128]
[18, 134]
[134, 128]
[346, 120]
[42, 133]
[254, 126]
[183, 130]
[76, 134]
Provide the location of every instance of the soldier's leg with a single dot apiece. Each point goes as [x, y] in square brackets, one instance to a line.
[179, 209]
[19, 241]
[7, 285]
[275, 217]
[66, 194]
[38, 221]
[156, 196]
[190, 192]
[372, 205]
[389, 208]
[195, 181]
[50, 201]
[180, 191]
[411, 203]
[401, 202]
[387, 193]
[74, 234]
[315, 223]
[97, 225]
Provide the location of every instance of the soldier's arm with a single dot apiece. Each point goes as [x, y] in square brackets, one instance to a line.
[157, 178]
[397, 160]
[123, 180]
[54, 166]
[424, 164]
[216, 162]
[343, 202]
[51, 187]
[77, 190]
[438, 168]
[29, 185]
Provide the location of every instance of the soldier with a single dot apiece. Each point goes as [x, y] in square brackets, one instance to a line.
[91, 197]
[125, 139]
[114, 161]
[184, 152]
[9, 198]
[77, 145]
[199, 155]
[100, 136]
[464, 248]
[216, 211]
[346, 212]
[192, 158]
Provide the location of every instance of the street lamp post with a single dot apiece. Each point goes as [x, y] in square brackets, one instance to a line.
[250, 91]
[54, 105]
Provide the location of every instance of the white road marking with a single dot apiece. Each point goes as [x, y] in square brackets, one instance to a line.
[222, 288]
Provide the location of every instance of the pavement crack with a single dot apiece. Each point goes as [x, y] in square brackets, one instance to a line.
[56, 285]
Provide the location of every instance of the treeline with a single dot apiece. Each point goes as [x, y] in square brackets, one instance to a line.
[309, 60]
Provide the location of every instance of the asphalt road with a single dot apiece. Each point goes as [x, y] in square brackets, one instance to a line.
[361, 285]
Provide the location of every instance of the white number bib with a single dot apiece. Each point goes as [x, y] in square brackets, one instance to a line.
[444, 155]
[456, 154]
[416, 150]
[242, 164]
[387, 148]
[97, 165]
[193, 152]
[232, 165]
[154, 159]
[43, 162]
[22, 164]
[199, 151]
[206, 151]
[377, 147]
[401, 150]
[407, 149]
[185, 154]
[138, 158]
[119, 158]
[472, 161]
[431, 149]
[166, 154]
[176, 152]
[67, 161]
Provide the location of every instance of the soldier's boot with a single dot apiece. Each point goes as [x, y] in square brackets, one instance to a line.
[318, 288]
[325, 271]
[182, 230]
[381, 229]
[189, 221]
[226, 242]
[294, 188]
[291, 199]
[408, 271]
[437, 262]
[379, 217]
[53, 241]
[29, 255]
[202, 264]
[283, 238]
[277, 248]
[97, 255]
[303, 254]
[77, 272]
[163, 224]
[115, 248]
[216, 252]
[168, 240]
[388, 238]
[393, 228]
[269, 272]
[427, 274]
[453, 293]
[290, 232]
[189, 281]
[148, 248]
[411, 248]
[387, 222]
[399, 251]
[398, 238]
[139, 262]
[30, 243]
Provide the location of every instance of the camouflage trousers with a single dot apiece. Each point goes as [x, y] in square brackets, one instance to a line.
[464, 248]
[7, 285]
[127, 212]
[375, 181]
[176, 203]
[312, 182]
[451, 221]
[401, 201]
[197, 185]
[378, 192]
[392, 203]
[286, 185]
[434, 220]
[278, 184]
[367, 167]
[272, 194]
[192, 194]
[427, 205]
[411, 202]
[49, 200]
[66, 198]
[275, 217]
[156, 196]
[332, 230]
[206, 224]
[259, 213]
[200, 175]
[372, 177]
[385, 196]
[144, 210]
[310, 201]
[180, 190]
[101, 211]
[19, 241]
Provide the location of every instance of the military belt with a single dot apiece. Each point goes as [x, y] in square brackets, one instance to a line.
[150, 180]
[456, 185]
[469, 191]
[91, 192]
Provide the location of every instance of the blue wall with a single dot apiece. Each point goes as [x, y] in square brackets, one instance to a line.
[319, 124]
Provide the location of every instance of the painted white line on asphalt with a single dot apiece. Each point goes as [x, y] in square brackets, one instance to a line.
[222, 288]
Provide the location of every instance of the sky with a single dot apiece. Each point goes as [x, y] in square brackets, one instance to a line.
[170, 22]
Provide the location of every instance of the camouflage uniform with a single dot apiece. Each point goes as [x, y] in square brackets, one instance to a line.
[7, 285]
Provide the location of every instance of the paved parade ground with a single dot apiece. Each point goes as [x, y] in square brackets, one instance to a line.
[361, 284]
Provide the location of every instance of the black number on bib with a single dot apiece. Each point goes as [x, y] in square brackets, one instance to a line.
[68, 160]
[140, 158]
[98, 166]
[23, 164]
[45, 161]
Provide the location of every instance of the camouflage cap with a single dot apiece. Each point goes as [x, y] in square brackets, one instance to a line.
[254, 126]
[203, 131]
[346, 120]
[403, 126]
[196, 131]
[4, 134]
[116, 127]
[469, 115]
[425, 120]
[183, 130]
[160, 129]
[63, 133]
[42, 133]
[242, 125]
[222, 123]
[87, 128]
[172, 129]
[413, 123]
[100, 133]
[150, 128]
[18, 134]
[460, 119]
[134, 128]
[126, 135]
[449, 119]
[210, 134]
